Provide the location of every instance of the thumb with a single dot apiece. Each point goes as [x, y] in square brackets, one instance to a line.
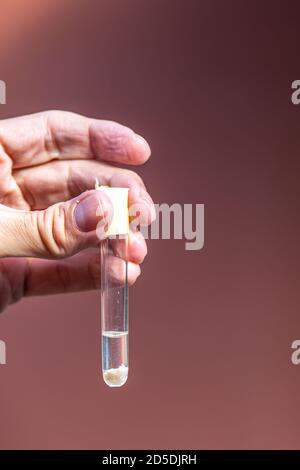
[56, 232]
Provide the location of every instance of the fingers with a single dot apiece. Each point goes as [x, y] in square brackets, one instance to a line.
[59, 181]
[56, 232]
[113, 142]
[39, 138]
[82, 271]
[31, 276]
[77, 273]
[135, 251]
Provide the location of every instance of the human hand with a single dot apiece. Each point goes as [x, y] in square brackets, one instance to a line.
[47, 162]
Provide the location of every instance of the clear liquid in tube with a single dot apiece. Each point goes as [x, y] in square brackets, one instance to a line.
[115, 357]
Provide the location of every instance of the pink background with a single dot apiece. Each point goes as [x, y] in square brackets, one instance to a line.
[208, 84]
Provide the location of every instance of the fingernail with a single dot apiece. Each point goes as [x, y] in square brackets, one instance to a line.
[143, 144]
[90, 210]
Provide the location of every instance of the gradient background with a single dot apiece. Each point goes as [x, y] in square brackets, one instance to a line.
[208, 83]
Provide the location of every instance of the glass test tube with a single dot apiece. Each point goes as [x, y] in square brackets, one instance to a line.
[114, 290]
[114, 313]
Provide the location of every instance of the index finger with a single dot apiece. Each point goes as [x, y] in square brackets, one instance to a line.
[59, 135]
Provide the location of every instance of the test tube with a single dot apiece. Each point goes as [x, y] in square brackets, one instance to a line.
[114, 315]
[114, 292]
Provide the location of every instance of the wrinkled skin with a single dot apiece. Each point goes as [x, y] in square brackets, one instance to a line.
[55, 156]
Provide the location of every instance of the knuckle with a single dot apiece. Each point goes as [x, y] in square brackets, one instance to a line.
[116, 144]
[111, 140]
[52, 234]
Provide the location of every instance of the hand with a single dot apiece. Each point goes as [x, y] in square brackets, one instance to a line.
[49, 162]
